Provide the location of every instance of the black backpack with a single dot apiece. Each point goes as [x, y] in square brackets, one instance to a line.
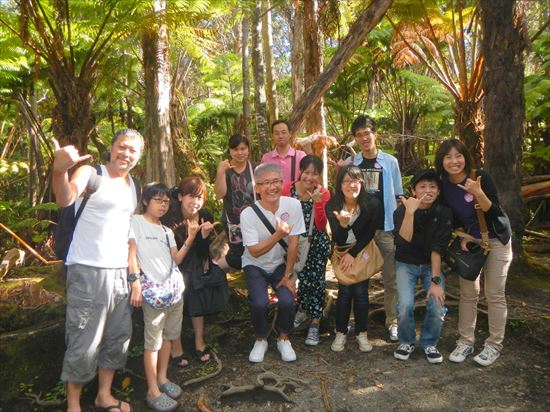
[68, 216]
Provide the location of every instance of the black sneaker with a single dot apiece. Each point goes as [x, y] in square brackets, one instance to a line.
[433, 355]
[403, 351]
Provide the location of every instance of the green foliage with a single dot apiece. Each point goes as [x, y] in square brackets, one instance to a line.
[25, 220]
[536, 159]
[537, 85]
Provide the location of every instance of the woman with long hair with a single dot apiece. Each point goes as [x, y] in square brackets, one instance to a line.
[192, 226]
[464, 191]
[353, 215]
[311, 279]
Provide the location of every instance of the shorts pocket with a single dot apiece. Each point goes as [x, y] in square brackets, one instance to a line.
[79, 312]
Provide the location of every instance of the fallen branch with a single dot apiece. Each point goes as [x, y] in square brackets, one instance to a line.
[202, 404]
[270, 382]
[37, 400]
[535, 187]
[536, 234]
[216, 372]
[326, 397]
[27, 333]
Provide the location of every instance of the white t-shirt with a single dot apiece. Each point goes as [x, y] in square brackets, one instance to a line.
[254, 231]
[153, 254]
[100, 238]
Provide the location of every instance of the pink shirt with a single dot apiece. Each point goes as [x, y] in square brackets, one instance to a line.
[285, 162]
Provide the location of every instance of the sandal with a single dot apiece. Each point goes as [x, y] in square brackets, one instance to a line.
[117, 406]
[178, 361]
[200, 353]
[171, 389]
[162, 403]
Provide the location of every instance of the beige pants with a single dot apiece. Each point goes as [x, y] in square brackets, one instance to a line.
[384, 241]
[494, 274]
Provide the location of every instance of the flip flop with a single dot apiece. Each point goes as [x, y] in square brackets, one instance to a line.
[200, 353]
[109, 408]
[176, 361]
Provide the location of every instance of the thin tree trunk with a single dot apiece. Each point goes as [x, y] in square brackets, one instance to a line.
[246, 76]
[260, 104]
[365, 22]
[160, 156]
[312, 62]
[504, 106]
[297, 53]
[267, 41]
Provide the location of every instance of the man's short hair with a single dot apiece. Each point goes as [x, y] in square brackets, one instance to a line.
[280, 121]
[132, 134]
[266, 168]
[363, 122]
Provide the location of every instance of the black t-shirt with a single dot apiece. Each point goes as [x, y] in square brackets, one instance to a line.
[372, 173]
[239, 195]
[431, 232]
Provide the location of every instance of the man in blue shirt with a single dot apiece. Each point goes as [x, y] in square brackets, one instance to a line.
[383, 180]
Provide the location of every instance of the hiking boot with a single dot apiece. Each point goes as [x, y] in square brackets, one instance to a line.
[461, 352]
[392, 332]
[364, 345]
[487, 356]
[433, 355]
[403, 351]
[299, 318]
[339, 342]
[285, 348]
[312, 338]
[258, 351]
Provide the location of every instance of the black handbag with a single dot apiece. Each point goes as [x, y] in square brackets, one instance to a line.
[468, 264]
[212, 276]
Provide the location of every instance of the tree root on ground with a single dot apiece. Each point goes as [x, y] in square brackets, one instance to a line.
[202, 404]
[270, 382]
[216, 372]
[326, 397]
[37, 400]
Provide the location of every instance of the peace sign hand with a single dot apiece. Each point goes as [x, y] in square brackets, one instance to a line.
[66, 157]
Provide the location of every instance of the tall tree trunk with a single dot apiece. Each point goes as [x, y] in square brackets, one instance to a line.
[504, 103]
[365, 22]
[467, 115]
[160, 155]
[246, 76]
[297, 53]
[260, 104]
[267, 41]
[312, 62]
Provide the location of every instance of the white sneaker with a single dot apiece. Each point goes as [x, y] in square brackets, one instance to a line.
[258, 351]
[487, 356]
[392, 331]
[299, 318]
[364, 345]
[461, 352]
[339, 342]
[287, 353]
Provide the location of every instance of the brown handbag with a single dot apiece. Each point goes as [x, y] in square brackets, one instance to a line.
[366, 264]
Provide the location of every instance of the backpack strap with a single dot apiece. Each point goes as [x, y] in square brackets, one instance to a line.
[268, 224]
[293, 167]
[91, 187]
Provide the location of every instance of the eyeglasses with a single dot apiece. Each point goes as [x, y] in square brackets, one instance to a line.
[161, 201]
[269, 183]
[349, 182]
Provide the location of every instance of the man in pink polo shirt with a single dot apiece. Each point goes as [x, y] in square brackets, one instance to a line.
[283, 154]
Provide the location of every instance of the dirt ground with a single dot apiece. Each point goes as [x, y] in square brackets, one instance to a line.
[322, 380]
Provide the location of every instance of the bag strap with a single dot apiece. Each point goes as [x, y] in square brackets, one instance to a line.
[169, 249]
[481, 219]
[268, 224]
[293, 166]
[91, 188]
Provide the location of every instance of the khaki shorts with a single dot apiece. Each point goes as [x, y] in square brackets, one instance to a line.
[161, 324]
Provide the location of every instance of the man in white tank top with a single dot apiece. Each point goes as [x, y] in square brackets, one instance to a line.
[98, 320]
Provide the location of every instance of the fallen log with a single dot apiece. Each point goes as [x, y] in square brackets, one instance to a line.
[535, 187]
[534, 179]
[536, 234]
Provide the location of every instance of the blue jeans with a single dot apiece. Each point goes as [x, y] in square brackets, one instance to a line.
[257, 280]
[358, 295]
[407, 276]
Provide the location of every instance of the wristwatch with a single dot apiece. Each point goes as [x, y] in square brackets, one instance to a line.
[132, 277]
[436, 280]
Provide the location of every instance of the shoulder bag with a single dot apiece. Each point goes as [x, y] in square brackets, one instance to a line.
[163, 294]
[468, 264]
[366, 264]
